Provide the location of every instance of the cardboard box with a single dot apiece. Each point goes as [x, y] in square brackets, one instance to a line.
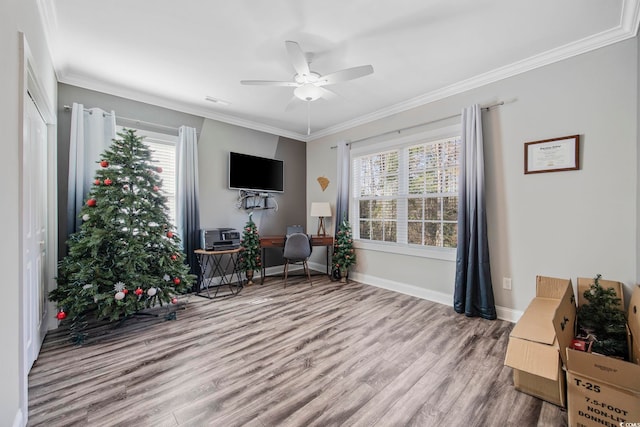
[603, 390]
[533, 350]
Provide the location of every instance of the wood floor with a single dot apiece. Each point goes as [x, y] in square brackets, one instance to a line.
[322, 355]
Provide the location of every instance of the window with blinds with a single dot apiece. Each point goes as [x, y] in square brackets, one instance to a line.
[163, 154]
[408, 195]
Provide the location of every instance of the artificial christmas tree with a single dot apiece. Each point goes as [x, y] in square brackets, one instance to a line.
[250, 258]
[602, 321]
[344, 256]
[126, 256]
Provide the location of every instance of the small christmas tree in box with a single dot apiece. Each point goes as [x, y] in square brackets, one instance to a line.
[344, 256]
[126, 256]
[250, 256]
[602, 321]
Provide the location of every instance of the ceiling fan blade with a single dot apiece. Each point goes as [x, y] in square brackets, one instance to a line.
[344, 75]
[297, 57]
[268, 83]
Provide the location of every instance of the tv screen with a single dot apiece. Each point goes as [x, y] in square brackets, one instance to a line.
[254, 173]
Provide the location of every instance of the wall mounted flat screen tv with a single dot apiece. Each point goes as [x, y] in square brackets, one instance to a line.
[253, 173]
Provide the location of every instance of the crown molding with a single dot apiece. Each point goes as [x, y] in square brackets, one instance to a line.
[86, 83]
[627, 29]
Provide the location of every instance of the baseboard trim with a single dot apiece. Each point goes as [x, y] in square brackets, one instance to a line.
[503, 313]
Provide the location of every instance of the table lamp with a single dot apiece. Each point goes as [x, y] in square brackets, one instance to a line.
[321, 210]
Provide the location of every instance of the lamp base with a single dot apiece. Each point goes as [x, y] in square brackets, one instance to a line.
[321, 229]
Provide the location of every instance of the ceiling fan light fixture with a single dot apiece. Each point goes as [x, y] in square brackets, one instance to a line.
[308, 92]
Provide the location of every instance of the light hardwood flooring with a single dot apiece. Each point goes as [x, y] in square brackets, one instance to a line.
[323, 355]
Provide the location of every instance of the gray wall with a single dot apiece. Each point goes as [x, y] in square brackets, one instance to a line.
[564, 224]
[218, 204]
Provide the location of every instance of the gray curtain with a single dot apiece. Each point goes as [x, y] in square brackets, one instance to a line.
[187, 205]
[473, 294]
[92, 131]
[343, 169]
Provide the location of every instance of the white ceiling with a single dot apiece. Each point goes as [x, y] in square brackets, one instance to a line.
[176, 53]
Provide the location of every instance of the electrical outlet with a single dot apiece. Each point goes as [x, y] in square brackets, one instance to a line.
[506, 283]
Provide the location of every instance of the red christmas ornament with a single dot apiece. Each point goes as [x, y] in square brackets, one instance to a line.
[104, 163]
[155, 188]
[91, 202]
[176, 280]
[174, 300]
[61, 315]
[96, 182]
[138, 291]
[169, 234]
[125, 291]
[174, 257]
[159, 169]
[108, 182]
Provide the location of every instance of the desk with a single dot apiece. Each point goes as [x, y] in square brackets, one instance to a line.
[213, 262]
[278, 242]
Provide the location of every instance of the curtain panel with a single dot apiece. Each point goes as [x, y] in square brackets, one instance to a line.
[473, 293]
[92, 131]
[187, 191]
[343, 171]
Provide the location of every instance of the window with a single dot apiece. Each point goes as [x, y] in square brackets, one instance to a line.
[407, 195]
[163, 154]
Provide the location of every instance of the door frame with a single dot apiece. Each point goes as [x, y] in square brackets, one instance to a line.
[31, 88]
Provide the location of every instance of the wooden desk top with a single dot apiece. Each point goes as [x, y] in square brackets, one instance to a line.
[276, 241]
[226, 251]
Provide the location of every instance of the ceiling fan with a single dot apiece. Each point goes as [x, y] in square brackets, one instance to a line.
[308, 84]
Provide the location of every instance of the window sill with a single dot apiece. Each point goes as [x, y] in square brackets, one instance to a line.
[445, 254]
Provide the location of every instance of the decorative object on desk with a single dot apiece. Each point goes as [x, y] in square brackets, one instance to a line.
[125, 243]
[344, 256]
[602, 321]
[324, 182]
[250, 259]
[321, 210]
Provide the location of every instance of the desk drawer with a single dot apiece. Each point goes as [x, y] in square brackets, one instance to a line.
[270, 242]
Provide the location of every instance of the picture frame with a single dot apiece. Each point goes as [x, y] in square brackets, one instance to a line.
[552, 155]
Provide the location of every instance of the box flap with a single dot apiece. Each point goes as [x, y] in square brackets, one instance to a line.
[585, 283]
[564, 321]
[536, 323]
[614, 372]
[535, 358]
[551, 287]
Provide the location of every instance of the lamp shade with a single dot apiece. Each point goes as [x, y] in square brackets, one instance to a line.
[321, 209]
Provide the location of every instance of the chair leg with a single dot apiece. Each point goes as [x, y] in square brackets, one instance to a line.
[286, 272]
[306, 269]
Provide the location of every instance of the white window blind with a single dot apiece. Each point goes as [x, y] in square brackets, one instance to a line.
[407, 195]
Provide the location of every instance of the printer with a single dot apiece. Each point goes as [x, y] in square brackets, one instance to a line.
[219, 239]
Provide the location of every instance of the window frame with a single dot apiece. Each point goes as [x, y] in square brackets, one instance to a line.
[434, 252]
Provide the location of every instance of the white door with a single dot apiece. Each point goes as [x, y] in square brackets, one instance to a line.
[34, 233]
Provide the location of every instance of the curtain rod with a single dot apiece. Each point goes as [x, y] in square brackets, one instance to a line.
[486, 108]
[127, 119]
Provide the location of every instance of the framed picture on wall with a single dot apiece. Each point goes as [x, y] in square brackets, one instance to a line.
[552, 155]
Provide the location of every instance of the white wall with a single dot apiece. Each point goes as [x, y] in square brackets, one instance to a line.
[15, 16]
[564, 224]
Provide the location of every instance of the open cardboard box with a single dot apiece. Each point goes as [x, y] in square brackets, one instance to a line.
[603, 390]
[534, 348]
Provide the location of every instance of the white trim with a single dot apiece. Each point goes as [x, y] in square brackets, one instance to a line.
[627, 28]
[432, 252]
[503, 313]
[19, 420]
